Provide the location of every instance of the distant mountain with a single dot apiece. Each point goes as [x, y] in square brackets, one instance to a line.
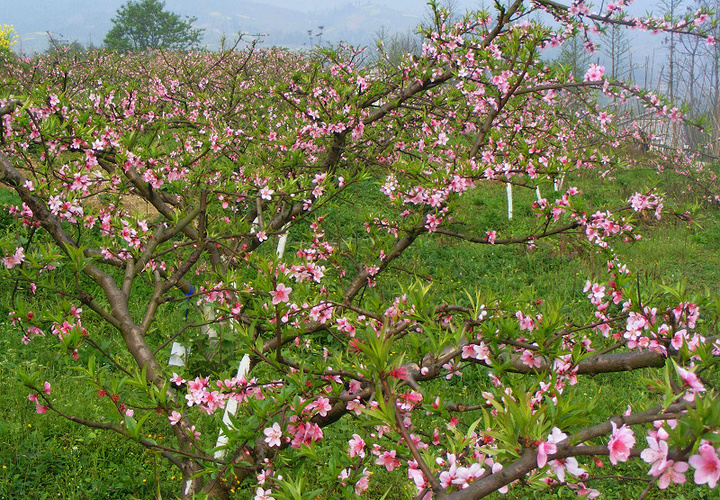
[293, 23]
[286, 22]
[354, 22]
[85, 22]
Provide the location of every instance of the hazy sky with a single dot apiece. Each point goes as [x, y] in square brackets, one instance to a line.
[286, 21]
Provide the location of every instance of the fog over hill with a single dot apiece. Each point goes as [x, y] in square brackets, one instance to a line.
[286, 22]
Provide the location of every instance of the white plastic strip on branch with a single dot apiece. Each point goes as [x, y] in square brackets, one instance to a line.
[178, 356]
[231, 409]
[508, 188]
[281, 243]
[243, 369]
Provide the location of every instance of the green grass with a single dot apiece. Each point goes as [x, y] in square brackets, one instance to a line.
[44, 456]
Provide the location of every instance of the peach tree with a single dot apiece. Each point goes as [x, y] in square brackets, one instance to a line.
[157, 193]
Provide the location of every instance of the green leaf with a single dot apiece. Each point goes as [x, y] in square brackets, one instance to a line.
[91, 366]
[131, 425]
[669, 395]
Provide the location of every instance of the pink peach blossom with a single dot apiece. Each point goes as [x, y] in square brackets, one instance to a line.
[273, 435]
[621, 442]
[16, 259]
[655, 455]
[388, 459]
[594, 73]
[356, 446]
[706, 465]
[280, 294]
[674, 473]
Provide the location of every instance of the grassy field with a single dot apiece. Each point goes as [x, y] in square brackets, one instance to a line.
[43, 456]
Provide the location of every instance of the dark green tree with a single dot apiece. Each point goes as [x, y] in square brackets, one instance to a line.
[146, 25]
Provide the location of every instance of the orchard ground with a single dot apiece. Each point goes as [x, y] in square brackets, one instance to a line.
[45, 457]
[411, 340]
